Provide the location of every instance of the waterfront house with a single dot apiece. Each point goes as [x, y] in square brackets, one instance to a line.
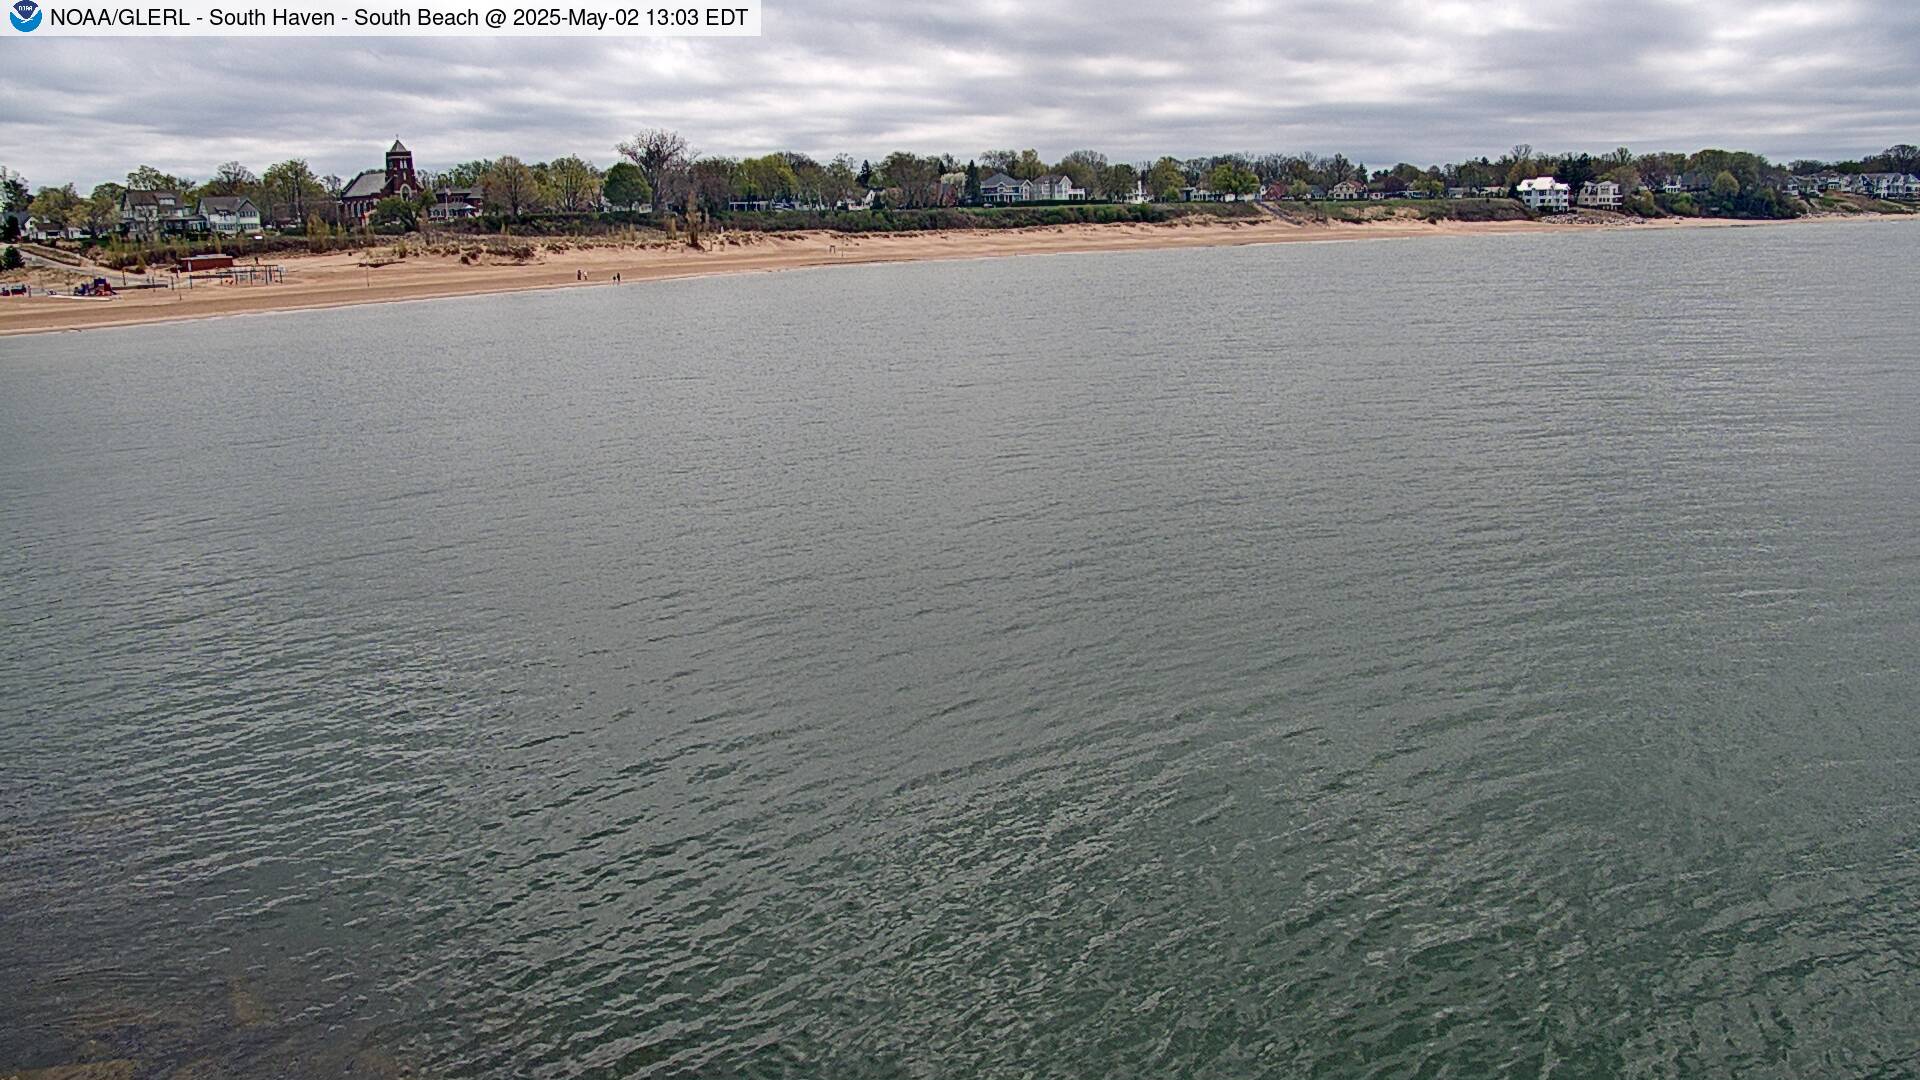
[1001, 188]
[1055, 187]
[1347, 190]
[159, 213]
[36, 230]
[1545, 194]
[1600, 195]
[1817, 183]
[365, 191]
[1885, 185]
[229, 214]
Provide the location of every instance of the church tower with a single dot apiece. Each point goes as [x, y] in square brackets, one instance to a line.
[400, 178]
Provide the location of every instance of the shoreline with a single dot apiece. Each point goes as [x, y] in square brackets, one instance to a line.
[340, 279]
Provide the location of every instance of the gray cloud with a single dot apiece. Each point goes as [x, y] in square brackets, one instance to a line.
[1415, 80]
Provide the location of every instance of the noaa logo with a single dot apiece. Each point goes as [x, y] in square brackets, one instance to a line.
[25, 15]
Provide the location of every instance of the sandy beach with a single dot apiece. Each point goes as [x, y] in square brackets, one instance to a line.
[374, 276]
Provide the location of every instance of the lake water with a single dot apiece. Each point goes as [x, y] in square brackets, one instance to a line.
[1468, 657]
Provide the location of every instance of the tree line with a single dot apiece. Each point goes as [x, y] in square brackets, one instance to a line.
[657, 170]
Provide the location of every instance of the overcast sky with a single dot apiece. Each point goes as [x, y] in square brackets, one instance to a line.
[1415, 80]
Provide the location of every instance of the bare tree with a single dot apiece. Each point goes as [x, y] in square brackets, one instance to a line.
[658, 153]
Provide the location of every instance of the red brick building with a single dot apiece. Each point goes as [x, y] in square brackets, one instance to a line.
[365, 191]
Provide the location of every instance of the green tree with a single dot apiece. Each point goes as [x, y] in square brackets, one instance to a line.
[395, 215]
[1087, 169]
[1029, 166]
[768, 177]
[11, 259]
[510, 186]
[1233, 180]
[231, 178]
[1119, 181]
[626, 187]
[575, 185]
[993, 161]
[838, 183]
[1165, 179]
[148, 178]
[711, 183]
[911, 180]
[55, 208]
[467, 174]
[807, 176]
[102, 209]
[290, 190]
[1725, 185]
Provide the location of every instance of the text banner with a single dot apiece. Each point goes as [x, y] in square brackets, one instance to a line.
[348, 18]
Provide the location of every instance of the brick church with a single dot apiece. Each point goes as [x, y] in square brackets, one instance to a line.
[366, 190]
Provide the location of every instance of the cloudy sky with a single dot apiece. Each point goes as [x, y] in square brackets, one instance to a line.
[1390, 80]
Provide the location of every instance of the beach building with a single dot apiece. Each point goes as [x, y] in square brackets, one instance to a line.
[1545, 194]
[365, 191]
[1600, 195]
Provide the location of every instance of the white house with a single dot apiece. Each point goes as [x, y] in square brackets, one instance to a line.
[1057, 187]
[1886, 185]
[1347, 190]
[230, 214]
[35, 229]
[1545, 194]
[863, 200]
[1001, 188]
[1600, 195]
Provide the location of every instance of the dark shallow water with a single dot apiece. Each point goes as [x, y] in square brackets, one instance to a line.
[1471, 657]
